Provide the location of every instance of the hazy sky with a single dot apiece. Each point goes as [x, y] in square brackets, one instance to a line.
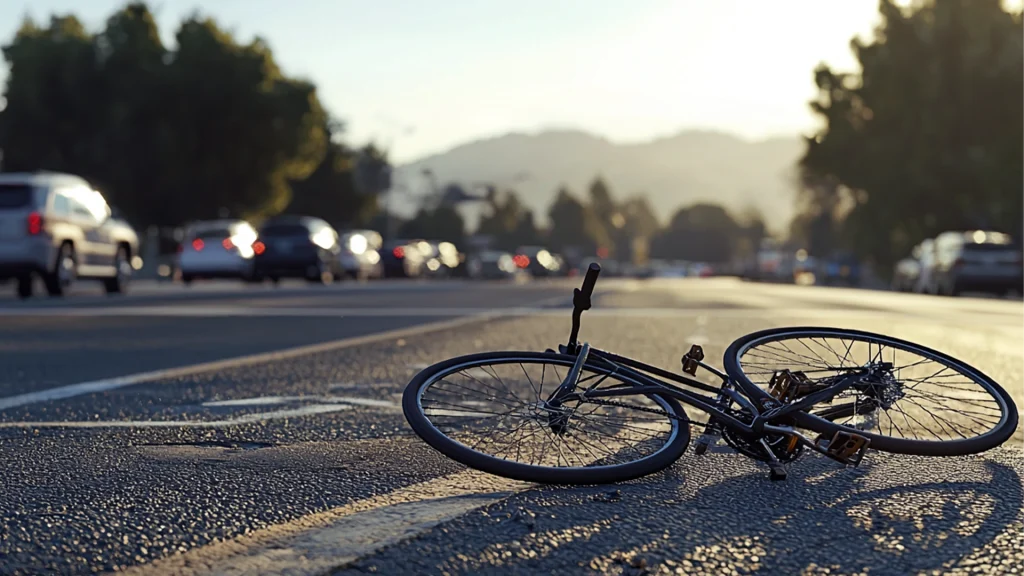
[455, 70]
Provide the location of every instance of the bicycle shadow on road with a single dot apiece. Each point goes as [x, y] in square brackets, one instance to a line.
[905, 515]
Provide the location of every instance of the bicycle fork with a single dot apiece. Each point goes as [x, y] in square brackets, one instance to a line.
[558, 417]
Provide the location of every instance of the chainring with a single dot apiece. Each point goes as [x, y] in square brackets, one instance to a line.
[751, 448]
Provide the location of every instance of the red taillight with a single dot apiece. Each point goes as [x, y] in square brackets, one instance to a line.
[227, 244]
[399, 252]
[35, 223]
[521, 260]
[258, 247]
[198, 244]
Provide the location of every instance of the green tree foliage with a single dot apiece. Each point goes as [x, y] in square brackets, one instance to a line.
[442, 223]
[927, 136]
[169, 136]
[52, 96]
[331, 191]
[509, 222]
[574, 225]
[700, 233]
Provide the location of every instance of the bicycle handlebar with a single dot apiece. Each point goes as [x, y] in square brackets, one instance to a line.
[581, 301]
[591, 279]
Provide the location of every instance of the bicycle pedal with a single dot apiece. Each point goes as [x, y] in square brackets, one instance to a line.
[692, 359]
[777, 471]
[845, 447]
[706, 440]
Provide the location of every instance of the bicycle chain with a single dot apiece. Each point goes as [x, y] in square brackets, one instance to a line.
[642, 409]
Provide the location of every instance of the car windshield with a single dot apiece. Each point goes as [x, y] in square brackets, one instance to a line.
[988, 247]
[284, 230]
[15, 195]
[208, 233]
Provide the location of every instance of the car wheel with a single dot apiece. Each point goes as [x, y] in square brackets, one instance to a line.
[25, 285]
[186, 280]
[118, 284]
[320, 274]
[65, 270]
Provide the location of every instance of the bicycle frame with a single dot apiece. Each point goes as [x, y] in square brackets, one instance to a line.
[639, 372]
[764, 409]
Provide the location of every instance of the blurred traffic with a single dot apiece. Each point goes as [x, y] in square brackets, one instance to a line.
[56, 230]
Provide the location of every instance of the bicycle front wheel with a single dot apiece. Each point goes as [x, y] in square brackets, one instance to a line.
[488, 411]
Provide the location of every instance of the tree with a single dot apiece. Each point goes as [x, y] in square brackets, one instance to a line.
[168, 136]
[601, 201]
[330, 192]
[52, 95]
[443, 223]
[702, 232]
[509, 222]
[926, 137]
[574, 225]
[243, 130]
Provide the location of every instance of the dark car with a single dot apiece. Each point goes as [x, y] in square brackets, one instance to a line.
[297, 247]
[537, 261]
[404, 258]
[443, 260]
[491, 265]
[840, 270]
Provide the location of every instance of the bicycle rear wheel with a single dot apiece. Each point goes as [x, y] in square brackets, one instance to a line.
[923, 402]
[487, 411]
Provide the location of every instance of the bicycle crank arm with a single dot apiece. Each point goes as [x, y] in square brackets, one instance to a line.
[845, 447]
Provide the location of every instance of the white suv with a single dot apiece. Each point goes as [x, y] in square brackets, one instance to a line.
[57, 227]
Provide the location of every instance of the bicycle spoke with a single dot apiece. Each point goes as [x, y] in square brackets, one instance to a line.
[483, 407]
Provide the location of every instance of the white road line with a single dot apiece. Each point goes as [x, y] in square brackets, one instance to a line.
[72, 390]
[273, 400]
[710, 312]
[320, 543]
[243, 419]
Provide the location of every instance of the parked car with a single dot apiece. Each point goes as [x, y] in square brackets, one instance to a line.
[404, 258]
[977, 260]
[217, 249]
[442, 259]
[57, 227]
[536, 260]
[842, 269]
[297, 247]
[491, 265]
[926, 265]
[360, 254]
[907, 271]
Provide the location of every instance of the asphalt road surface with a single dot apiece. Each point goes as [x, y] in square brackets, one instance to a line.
[250, 430]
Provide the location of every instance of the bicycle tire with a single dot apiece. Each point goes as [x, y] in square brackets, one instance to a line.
[991, 439]
[463, 454]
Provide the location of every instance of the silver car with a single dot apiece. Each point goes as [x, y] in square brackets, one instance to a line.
[217, 249]
[360, 254]
[975, 261]
[57, 227]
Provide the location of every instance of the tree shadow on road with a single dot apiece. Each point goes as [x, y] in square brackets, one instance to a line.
[905, 515]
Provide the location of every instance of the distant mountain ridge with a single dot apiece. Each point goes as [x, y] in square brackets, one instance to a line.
[673, 172]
